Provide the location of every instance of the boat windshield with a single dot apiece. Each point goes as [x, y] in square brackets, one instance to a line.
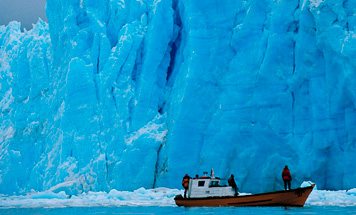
[214, 184]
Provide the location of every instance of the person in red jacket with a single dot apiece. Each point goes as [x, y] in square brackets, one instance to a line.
[287, 177]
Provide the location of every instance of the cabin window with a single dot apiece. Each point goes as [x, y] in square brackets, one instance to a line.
[201, 183]
[214, 184]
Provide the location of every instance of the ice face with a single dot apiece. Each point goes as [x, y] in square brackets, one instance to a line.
[129, 94]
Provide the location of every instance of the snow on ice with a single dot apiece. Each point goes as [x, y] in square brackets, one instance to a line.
[146, 197]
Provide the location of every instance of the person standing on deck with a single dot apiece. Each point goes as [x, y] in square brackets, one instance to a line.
[185, 184]
[287, 177]
[232, 183]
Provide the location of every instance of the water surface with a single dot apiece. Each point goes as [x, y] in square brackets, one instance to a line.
[181, 210]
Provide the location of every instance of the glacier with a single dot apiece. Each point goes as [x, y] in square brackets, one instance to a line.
[123, 94]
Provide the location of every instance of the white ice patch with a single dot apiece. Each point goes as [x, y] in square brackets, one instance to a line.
[146, 197]
[5, 133]
[152, 130]
[6, 101]
[315, 3]
[140, 197]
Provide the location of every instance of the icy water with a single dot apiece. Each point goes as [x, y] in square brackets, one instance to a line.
[181, 210]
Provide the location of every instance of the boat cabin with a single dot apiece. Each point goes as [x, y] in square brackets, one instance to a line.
[208, 187]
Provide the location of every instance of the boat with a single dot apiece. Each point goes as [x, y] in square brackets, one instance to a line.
[207, 191]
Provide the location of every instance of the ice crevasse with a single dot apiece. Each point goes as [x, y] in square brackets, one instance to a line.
[116, 94]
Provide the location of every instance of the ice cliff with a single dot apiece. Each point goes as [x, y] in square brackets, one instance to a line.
[122, 94]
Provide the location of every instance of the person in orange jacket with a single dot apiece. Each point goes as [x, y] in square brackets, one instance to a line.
[185, 184]
[287, 177]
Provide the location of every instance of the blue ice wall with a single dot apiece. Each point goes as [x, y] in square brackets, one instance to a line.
[127, 94]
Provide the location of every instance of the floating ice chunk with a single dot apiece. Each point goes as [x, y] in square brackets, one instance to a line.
[49, 195]
[331, 198]
[307, 184]
[351, 192]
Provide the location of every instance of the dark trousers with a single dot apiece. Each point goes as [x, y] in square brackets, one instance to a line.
[286, 183]
[236, 191]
